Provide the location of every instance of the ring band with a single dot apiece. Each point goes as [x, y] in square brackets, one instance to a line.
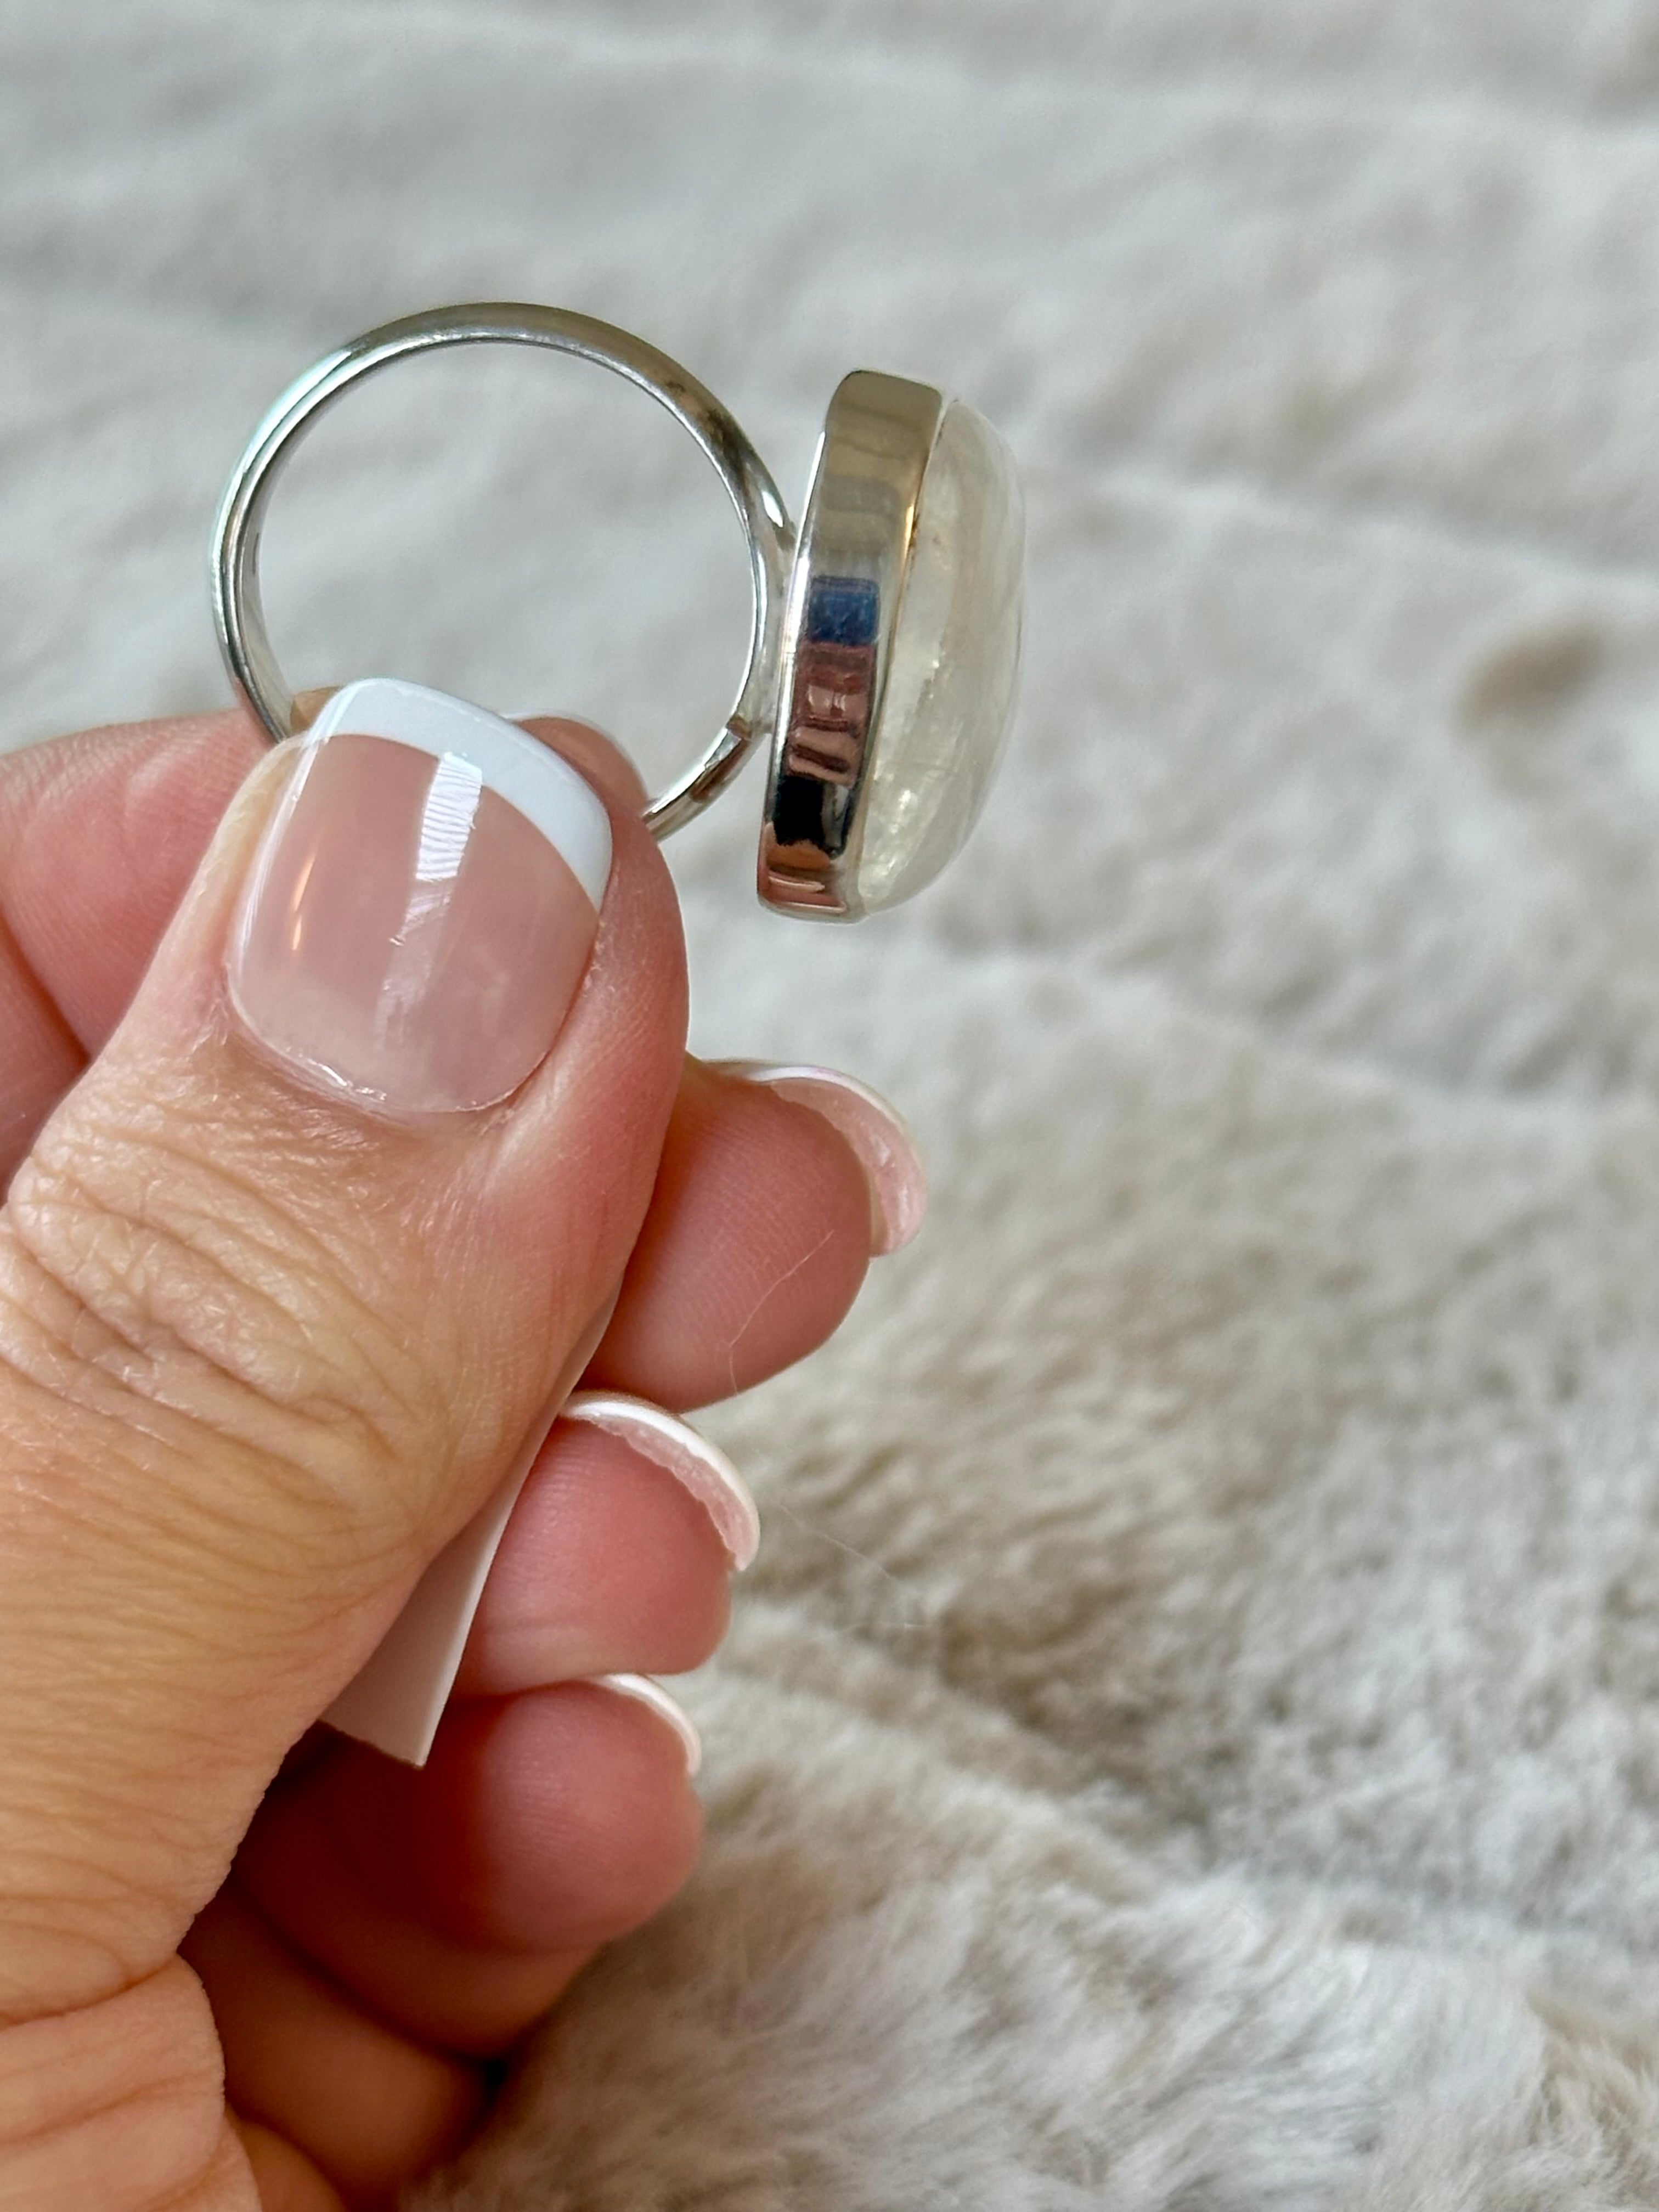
[240, 614]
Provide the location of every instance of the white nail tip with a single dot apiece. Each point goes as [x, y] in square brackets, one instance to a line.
[531, 777]
[672, 1444]
[645, 1692]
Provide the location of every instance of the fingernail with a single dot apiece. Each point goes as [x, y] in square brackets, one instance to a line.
[675, 1445]
[422, 907]
[645, 1692]
[877, 1131]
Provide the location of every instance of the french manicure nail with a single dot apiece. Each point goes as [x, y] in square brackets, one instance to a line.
[675, 1445]
[877, 1132]
[420, 913]
[645, 1692]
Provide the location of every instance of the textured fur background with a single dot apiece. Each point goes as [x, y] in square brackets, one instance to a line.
[1190, 1741]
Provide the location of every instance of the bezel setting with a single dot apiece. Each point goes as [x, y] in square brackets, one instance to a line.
[844, 590]
[883, 649]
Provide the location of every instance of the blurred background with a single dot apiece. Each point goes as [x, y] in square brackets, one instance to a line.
[1236, 1518]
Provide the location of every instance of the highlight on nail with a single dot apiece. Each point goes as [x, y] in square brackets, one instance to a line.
[674, 1445]
[420, 913]
[875, 1130]
[645, 1692]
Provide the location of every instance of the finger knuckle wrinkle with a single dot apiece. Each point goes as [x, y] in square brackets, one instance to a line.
[155, 1274]
[119, 2103]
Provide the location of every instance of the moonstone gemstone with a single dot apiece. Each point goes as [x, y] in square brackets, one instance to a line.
[952, 666]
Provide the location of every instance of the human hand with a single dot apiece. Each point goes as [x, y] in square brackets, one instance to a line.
[262, 1351]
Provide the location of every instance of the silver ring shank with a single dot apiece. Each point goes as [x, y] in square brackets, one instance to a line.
[239, 615]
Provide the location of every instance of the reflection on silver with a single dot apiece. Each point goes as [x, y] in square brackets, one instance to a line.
[838, 633]
[239, 615]
[821, 639]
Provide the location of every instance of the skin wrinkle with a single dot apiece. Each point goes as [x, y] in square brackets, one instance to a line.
[207, 1539]
[248, 1412]
[158, 2028]
[195, 1419]
[305, 1133]
[178, 1432]
[46, 1379]
[119, 1245]
[188, 1526]
[249, 1227]
[385, 1353]
[38, 1913]
[536, 1251]
[199, 1544]
[140, 1898]
[98, 1887]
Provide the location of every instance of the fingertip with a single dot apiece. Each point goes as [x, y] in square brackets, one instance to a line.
[101, 833]
[643, 1691]
[878, 1134]
[554, 1820]
[756, 1246]
[287, 2180]
[612, 1560]
[597, 754]
[700, 1468]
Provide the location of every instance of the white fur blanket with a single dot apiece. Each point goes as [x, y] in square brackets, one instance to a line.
[1191, 1743]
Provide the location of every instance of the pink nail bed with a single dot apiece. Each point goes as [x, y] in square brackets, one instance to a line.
[420, 913]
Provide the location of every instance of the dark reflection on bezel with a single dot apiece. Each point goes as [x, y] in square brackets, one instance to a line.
[848, 581]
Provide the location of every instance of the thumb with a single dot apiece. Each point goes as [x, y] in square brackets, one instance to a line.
[289, 1278]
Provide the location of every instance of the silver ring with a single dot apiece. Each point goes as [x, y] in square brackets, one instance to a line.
[239, 615]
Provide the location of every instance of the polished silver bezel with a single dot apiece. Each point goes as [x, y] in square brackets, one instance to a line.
[239, 615]
[856, 540]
